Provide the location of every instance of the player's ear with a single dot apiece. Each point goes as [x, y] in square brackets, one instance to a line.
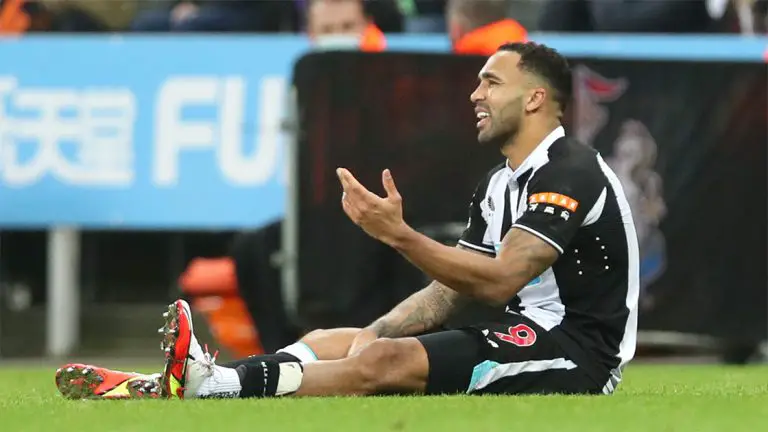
[535, 99]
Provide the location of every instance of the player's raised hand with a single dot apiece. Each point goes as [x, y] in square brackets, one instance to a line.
[381, 218]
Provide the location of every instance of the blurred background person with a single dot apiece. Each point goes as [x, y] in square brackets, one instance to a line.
[217, 16]
[71, 16]
[481, 26]
[101, 16]
[648, 16]
[423, 16]
[740, 16]
[343, 23]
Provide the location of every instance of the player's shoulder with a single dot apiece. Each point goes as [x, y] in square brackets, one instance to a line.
[569, 155]
[569, 158]
[568, 151]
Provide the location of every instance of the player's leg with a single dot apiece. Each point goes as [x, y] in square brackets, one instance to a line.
[384, 366]
[80, 381]
[188, 366]
[436, 363]
[332, 344]
[405, 365]
[515, 356]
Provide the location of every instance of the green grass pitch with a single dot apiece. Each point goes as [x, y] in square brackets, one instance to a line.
[652, 398]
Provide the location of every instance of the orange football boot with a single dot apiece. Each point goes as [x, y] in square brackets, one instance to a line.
[80, 381]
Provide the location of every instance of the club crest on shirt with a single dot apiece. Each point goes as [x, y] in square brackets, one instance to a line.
[487, 208]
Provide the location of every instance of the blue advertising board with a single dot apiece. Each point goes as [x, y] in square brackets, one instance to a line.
[184, 132]
[144, 132]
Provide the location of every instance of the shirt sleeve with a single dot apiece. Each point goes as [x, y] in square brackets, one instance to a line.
[475, 234]
[561, 199]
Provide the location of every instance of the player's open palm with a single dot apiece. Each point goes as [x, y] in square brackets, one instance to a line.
[381, 218]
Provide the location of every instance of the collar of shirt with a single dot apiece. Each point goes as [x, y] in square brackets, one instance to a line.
[536, 156]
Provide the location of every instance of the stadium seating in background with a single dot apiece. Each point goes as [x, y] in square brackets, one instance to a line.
[218, 16]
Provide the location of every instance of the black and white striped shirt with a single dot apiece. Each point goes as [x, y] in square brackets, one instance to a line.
[565, 194]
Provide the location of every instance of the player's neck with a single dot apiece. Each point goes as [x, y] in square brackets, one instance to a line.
[525, 141]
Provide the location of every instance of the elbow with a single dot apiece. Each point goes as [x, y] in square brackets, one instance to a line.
[498, 289]
[496, 295]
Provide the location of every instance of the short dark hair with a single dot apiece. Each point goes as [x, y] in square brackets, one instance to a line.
[548, 64]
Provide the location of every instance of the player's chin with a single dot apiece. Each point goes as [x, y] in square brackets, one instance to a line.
[485, 136]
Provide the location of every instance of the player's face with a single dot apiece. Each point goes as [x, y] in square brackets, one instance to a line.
[336, 18]
[498, 98]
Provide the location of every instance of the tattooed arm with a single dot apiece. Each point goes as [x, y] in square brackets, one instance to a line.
[494, 281]
[422, 311]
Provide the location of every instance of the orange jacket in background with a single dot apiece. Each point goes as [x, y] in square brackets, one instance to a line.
[373, 40]
[487, 39]
[13, 18]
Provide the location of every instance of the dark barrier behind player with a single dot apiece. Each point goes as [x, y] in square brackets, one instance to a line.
[688, 141]
[368, 112]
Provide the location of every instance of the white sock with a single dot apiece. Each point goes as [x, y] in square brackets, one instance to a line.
[223, 383]
[301, 351]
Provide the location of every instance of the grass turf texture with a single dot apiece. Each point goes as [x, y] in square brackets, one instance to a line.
[652, 398]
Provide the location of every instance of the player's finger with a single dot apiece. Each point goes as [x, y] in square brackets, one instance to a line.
[389, 185]
[351, 200]
[345, 177]
[342, 178]
[348, 200]
[350, 210]
[353, 187]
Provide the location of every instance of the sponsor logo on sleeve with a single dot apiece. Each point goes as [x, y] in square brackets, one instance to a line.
[557, 199]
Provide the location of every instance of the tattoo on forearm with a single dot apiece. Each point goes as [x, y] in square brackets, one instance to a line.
[423, 311]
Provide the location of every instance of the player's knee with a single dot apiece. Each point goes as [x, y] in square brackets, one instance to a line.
[378, 362]
[330, 334]
[315, 334]
[331, 344]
